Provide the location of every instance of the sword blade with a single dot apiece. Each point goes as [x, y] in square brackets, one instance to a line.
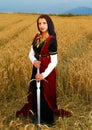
[38, 98]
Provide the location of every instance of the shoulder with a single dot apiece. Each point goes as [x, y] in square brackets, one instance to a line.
[51, 39]
[53, 46]
[37, 36]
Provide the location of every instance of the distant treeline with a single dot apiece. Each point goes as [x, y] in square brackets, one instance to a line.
[63, 15]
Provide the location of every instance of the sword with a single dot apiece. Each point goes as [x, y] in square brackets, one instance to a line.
[38, 96]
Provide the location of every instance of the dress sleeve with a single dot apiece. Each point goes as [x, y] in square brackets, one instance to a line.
[51, 65]
[31, 55]
[52, 46]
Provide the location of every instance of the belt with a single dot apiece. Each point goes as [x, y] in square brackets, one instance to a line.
[44, 56]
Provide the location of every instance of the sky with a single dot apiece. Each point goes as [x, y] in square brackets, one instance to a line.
[42, 6]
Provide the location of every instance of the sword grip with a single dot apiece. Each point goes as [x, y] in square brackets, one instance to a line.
[38, 70]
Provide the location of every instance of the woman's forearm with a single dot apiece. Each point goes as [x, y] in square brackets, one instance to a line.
[31, 55]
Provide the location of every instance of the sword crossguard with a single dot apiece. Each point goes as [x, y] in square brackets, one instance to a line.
[37, 80]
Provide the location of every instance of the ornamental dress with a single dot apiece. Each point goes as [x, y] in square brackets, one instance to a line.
[43, 51]
[48, 89]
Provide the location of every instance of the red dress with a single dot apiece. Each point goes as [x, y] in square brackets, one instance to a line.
[48, 89]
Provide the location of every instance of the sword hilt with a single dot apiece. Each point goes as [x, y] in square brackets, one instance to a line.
[38, 71]
[37, 80]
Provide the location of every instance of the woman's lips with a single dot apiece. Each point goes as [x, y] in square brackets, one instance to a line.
[42, 29]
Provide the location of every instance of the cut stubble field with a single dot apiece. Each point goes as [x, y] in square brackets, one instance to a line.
[74, 70]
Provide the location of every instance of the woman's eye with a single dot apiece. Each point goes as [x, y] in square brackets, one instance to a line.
[44, 22]
[39, 23]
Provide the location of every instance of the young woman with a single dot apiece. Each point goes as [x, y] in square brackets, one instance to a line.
[43, 55]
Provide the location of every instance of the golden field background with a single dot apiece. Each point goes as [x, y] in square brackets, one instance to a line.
[74, 70]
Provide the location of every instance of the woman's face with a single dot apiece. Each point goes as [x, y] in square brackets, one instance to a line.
[42, 24]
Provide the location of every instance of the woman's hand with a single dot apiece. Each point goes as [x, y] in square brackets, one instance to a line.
[36, 64]
[39, 77]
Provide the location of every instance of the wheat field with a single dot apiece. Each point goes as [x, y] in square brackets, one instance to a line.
[74, 70]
